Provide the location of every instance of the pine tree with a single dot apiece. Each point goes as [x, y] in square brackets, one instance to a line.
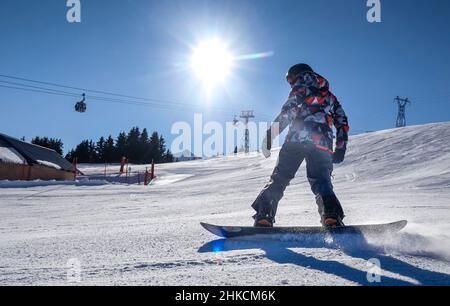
[144, 148]
[161, 149]
[136, 146]
[109, 151]
[84, 152]
[50, 143]
[100, 149]
[70, 155]
[154, 147]
[132, 145]
[121, 145]
[93, 158]
[168, 157]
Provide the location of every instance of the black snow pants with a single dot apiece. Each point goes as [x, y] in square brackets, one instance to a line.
[319, 167]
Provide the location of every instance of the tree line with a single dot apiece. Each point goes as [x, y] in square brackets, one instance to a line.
[138, 147]
[50, 143]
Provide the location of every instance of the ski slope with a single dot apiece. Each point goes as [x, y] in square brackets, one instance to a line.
[136, 235]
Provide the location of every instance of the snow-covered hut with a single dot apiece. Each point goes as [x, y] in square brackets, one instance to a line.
[20, 160]
[186, 155]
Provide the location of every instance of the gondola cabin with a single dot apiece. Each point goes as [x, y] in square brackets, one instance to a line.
[81, 106]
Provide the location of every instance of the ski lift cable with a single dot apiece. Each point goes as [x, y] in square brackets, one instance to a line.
[65, 93]
[104, 100]
[77, 88]
[95, 91]
[40, 91]
[40, 88]
[49, 90]
[107, 99]
[162, 102]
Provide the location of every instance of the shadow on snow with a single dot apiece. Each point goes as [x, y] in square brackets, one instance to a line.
[277, 249]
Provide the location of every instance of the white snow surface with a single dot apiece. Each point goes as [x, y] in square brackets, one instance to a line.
[137, 235]
[48, 164]
[10, 155]
[40, 183]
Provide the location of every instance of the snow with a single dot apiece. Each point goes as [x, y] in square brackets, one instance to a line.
[40, 183]
[150, 235]
[10, 155]
[48, 164]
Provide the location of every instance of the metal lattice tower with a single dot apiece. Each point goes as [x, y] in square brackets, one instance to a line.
[247, 115]
[401, 117]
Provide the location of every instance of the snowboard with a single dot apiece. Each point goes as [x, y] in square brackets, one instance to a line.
[242, 231]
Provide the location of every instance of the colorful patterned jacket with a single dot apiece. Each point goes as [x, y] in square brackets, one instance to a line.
[310, 112]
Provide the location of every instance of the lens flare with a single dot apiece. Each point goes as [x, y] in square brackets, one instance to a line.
[255, 56]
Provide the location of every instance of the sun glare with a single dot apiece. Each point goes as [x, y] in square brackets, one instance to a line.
[212, 63]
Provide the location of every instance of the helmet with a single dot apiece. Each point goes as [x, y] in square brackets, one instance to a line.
[294, 71]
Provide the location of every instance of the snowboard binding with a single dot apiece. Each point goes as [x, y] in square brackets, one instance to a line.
[264, 218]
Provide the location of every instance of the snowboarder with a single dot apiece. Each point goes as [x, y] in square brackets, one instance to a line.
[310, 112]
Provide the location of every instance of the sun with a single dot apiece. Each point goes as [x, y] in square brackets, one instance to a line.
[211, 63]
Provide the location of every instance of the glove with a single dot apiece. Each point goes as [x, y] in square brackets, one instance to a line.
[341, 146]
[338, 156]
[266, 148]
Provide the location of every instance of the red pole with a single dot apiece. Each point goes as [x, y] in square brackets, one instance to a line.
[75, 161]
[146, 177]
[152, 176]
[122, 164]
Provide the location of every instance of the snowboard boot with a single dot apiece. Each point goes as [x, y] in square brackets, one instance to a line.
[331, 222]
[330, 211]
[264, 222]
[264, 218]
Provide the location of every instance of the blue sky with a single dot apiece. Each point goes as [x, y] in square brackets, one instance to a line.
[141, 47]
